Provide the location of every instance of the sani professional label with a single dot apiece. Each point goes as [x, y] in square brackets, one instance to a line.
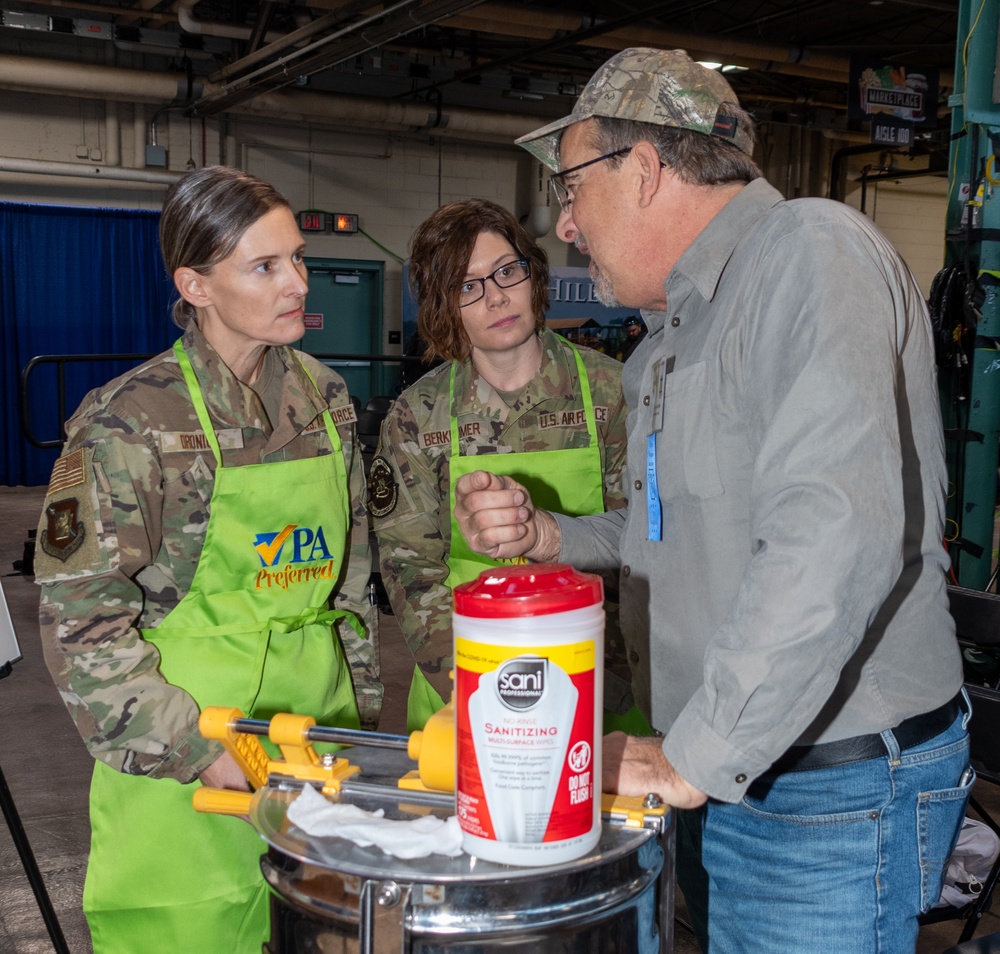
[525, 723]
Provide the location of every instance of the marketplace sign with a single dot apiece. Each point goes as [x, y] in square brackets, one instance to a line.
[905, 93]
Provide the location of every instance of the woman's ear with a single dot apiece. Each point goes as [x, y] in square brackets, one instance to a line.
[191, 287]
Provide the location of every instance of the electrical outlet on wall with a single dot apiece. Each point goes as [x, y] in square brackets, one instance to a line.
[82, 152]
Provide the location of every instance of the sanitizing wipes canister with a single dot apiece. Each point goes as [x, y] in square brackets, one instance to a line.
[529, 674]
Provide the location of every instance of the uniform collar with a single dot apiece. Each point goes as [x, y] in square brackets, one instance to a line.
[233, 404]
[555, 380]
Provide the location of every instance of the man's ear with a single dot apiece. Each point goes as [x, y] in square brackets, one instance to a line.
[650, 170]
[191, 287]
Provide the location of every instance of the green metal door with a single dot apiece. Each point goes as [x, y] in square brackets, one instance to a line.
[344, 321]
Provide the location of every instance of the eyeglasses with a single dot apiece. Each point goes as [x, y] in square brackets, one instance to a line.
[564, 191]
[506, 276]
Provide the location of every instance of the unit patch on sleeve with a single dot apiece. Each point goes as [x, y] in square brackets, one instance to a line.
[64, 532]
[383, 493]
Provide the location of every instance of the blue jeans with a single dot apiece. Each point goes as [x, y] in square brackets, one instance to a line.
[830, 860]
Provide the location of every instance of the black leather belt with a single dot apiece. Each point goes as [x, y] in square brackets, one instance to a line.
[859, 748]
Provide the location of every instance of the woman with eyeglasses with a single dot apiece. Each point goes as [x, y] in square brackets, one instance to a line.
[513, 398]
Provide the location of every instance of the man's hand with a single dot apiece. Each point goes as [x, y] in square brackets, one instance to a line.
[497, 517]
[637, 766]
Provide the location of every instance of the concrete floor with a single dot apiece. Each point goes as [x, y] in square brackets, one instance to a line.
[47, 769]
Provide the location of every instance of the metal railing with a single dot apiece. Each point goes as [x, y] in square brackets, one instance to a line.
[62, 360]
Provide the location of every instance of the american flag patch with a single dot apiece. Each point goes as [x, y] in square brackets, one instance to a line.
[68, 472]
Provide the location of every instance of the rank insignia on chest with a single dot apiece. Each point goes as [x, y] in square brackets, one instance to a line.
[382, 490]
[64, 533]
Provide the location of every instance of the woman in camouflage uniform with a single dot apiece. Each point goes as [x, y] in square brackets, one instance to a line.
[205, 509]
[512, 397]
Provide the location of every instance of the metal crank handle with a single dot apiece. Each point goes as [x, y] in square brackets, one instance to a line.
[323, 733]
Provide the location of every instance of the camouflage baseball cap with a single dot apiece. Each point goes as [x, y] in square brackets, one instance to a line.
[664, 87]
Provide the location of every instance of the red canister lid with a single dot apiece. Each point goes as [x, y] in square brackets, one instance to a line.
[528, 589]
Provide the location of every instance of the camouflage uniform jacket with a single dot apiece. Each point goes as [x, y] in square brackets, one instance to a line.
[415, 536]
[135, 478]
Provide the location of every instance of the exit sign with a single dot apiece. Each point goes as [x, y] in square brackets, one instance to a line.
[311, 221]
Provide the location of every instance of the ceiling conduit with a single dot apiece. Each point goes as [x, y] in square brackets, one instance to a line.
[499, 18]
[191, 24]
[512, 20]
[93, 81]
[82, 170]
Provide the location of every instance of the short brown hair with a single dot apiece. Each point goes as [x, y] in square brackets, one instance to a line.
[205, 214]
[439, 256]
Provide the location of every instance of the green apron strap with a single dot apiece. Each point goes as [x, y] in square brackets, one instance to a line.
[331, 428]
[456, 451]
[196, 398]
[313, 614]
[588, 401]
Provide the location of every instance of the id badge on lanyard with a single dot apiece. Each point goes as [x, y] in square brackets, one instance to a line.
[654, 510]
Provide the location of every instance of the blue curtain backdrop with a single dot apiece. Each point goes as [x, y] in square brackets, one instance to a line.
[72, 281]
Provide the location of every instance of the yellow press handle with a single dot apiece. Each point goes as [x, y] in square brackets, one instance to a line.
[215, 722]
[433, 749]
[221, 801]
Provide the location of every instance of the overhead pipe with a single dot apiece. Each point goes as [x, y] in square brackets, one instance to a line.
[91, 81]
[112, 130]
[540, 214]
[452, 122]
[532, 24]
[119, 84]
[112, 124]
[138, 135]
[152, 15]
[191, 24]
[514, 20]
[82, 170]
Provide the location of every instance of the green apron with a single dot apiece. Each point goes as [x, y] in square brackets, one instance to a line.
[253, 632]
[569, 481]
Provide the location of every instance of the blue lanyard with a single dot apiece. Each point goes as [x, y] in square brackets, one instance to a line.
[653, 510]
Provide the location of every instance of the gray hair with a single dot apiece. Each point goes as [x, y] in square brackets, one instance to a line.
[695, 157]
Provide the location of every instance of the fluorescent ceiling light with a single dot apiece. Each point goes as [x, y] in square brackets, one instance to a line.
[721, 67]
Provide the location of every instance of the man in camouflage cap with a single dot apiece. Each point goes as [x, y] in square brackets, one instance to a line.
[783, 579]
[663, 88]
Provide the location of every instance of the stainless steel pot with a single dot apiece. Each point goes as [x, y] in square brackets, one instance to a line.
[330, 896]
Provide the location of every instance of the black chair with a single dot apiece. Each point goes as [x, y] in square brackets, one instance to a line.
[977, 623]
[380, 404]
[369, 427]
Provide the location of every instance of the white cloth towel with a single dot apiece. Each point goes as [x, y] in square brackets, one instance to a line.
[415, 838]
